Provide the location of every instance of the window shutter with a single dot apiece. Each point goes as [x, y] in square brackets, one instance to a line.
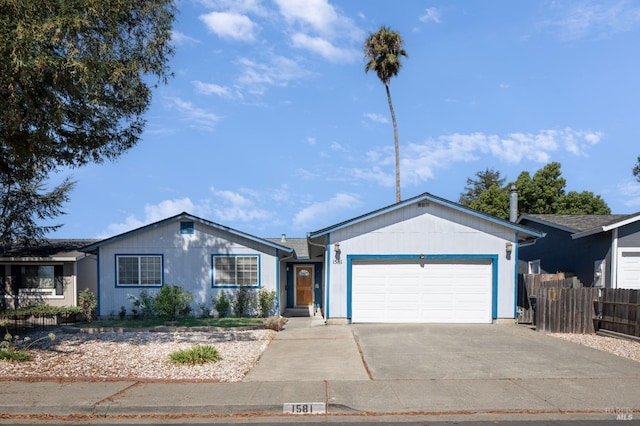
[58, 273]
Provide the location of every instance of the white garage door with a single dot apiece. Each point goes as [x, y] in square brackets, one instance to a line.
[629, 267]
[422, 291]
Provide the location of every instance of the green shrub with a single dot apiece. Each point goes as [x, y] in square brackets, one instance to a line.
[222, 304]
[244, 302]
[12, 348]
[199, 354]
[123, 312]
[172, 301]
[88, 303]
[142, 305]
[275, 323]
[266, 302]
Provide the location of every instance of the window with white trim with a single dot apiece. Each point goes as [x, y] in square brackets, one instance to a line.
[40, 279]
[235, 270]
[142, 270]
[534, 266]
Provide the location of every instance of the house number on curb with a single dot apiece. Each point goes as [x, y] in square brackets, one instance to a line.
[304, 408]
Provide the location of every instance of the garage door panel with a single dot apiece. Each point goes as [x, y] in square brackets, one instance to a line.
[629, 276]
[422, 291]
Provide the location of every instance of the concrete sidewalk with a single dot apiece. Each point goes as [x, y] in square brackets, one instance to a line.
[313, 363]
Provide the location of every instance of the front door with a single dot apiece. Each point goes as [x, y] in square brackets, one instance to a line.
[304, 285]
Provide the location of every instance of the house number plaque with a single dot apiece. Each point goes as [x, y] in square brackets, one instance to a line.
[304, 408]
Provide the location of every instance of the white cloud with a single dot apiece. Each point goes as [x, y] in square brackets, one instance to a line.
[311, 140]
[431, 14]
[318, 13]
[580, 20]
[324, 48]
[197, 117]
[335, 146]
[377, 118]
[279, 71]
[420, 161]
[233, 206]
[629, 189]
[230, 25]
[215, 89]
[179, 38]
[152, 213]
[319, 213]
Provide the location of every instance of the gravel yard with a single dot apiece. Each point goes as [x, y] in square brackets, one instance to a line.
[621, 347]
[140, 355]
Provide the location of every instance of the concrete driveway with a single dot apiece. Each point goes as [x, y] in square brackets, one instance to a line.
[470, 351]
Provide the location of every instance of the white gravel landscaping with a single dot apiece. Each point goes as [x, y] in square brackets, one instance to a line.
[621, 347]
[140, 355]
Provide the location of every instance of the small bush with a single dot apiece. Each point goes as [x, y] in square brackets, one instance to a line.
[172, 301]
[245, 302]
[275, 323]
[199, 354]
[266, 302]
[12, 348]
[222, 304]
[123, 312]
[88, 304]
[142, 304]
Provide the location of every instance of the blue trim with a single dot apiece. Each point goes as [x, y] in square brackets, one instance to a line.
[277, 312]
[515, 280]
[328, 277]
[138, 255]
[431, 198]
[492, 257]
[188, 216]
[213, 256]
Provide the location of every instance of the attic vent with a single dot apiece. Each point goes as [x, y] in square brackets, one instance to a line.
[186, 228]
[423, 204]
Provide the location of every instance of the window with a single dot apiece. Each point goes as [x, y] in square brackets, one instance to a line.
[186, 228]
[139, 270]
[41, 279]
[534, 267]
[235, 270]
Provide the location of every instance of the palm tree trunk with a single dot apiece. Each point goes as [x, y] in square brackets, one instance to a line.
[397, 144]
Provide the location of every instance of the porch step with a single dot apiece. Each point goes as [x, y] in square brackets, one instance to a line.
[299, 312]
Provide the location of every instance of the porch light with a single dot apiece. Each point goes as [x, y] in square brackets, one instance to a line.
[509, 248]
[336, 248]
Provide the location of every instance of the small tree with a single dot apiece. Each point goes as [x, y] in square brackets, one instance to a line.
[222, 304]
[266, 302]
[172, 301]
[245, 302]
[88, 304]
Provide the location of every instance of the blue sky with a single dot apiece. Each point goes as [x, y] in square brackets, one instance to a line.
[271, 125]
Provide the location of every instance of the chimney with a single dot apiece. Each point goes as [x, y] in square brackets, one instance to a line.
[513, 204]
[283, 238]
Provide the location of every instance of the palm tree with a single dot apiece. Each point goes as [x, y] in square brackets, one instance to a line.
[383, 49]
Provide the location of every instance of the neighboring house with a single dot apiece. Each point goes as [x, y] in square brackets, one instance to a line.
[601, 250]
[425, 259]
[200, 256]
[53, 273]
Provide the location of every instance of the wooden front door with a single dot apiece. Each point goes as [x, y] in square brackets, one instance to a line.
[304, 285]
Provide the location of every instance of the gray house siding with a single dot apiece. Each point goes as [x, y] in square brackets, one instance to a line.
[558, 252]
[629, 236]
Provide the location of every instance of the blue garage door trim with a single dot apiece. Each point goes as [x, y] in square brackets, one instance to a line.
[492, 257]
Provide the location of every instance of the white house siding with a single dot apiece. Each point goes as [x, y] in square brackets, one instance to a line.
[431, 230]
[186, 262]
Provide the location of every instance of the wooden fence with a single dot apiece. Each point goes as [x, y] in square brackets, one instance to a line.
[619, 311]
[562, 305]
[566, 310]
[528, 285]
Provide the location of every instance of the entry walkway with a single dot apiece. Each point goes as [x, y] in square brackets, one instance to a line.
[309, 350]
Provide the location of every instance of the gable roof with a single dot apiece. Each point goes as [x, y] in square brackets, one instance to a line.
[49, 249]
[187, 216]
[525, 233]
[299, 245]
[582, 225]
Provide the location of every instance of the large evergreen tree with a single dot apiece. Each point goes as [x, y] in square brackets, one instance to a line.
[74, 85]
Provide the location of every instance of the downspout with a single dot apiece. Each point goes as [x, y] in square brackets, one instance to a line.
[325, 305]
[614, 259]
[284, 259]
